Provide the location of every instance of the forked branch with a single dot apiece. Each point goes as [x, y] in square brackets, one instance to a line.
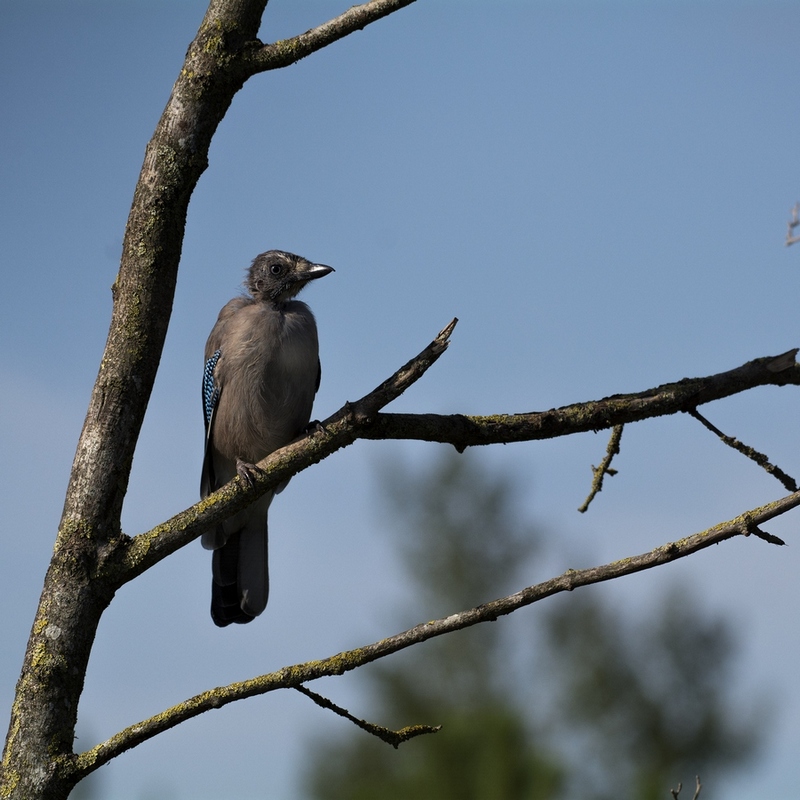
[394, 738]
[698, 787]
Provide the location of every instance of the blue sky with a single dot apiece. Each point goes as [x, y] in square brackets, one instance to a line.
[598, 190]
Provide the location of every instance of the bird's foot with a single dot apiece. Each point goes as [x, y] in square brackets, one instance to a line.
[247, 472]
[315, 426]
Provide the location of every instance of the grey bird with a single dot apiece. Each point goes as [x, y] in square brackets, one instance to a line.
[261, 373]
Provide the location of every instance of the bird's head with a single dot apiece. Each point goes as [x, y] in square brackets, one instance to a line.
[276, 276]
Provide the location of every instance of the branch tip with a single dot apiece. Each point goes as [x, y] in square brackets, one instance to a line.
[444, 334]
[752, 528]
[784, 361]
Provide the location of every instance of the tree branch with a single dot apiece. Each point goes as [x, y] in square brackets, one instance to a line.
[363, 420]
[92, 557]
[763, 461]
[394, 738]
[293, 676]
[604, 469]
[286, 52]
[698, 787]
[794, 221]
[464, 431]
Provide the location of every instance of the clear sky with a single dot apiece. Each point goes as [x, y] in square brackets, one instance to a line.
[598, 190]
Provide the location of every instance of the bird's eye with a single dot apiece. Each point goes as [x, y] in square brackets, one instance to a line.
[275, 269]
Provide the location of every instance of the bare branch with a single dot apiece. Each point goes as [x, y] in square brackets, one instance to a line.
[292, 677]
[467, 431]
[604, 468]
[364, 420]
[394, 738]
[698, 787]
[92, 556]
[788, 482]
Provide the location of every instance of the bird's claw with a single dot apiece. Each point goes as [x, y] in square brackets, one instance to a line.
[247, 472]
[315, 426]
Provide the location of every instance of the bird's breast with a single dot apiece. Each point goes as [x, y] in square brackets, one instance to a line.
[268, 376]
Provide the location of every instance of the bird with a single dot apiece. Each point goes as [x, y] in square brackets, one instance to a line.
[261, 374]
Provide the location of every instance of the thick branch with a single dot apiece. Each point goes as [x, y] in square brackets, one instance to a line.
[294, 676]
[45, 709]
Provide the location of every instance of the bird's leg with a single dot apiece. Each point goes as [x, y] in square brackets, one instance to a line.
[246, 472]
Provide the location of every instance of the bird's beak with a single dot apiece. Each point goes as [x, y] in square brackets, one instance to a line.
[314, 271]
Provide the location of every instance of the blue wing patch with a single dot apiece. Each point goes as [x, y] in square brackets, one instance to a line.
[211, 392]
[210, 388]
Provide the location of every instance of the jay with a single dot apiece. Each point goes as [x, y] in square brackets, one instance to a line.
[261, 373]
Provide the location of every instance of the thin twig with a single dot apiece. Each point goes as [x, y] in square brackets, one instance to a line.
[676, 792]
[793, 223]
[605, 467]
[394, 738]
[763, 461]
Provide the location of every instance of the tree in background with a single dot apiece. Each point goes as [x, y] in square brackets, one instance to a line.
[647, 702]
[462, 542]
[629, 709]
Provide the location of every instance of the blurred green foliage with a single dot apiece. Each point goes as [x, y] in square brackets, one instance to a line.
[588, 703]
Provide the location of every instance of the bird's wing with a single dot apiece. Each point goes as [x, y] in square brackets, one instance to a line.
[211, 394]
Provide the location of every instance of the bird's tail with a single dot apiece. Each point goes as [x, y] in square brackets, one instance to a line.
[240, 585]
